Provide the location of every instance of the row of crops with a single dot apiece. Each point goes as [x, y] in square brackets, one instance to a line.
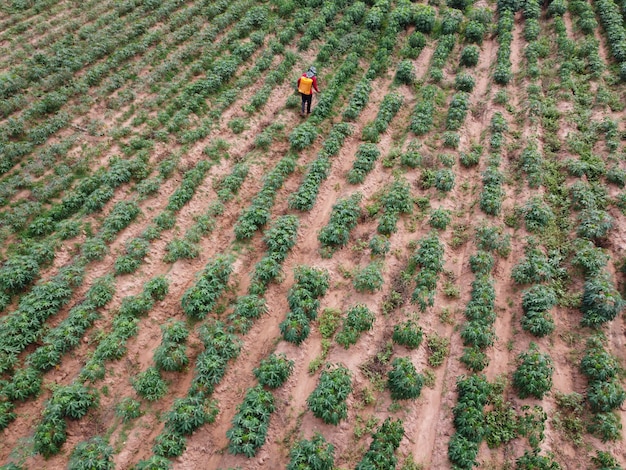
[472, 248]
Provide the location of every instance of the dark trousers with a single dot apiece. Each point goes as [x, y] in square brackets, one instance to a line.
[306, 99]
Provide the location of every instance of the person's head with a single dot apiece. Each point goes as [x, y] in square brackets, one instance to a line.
[312, 71]
[309, 74]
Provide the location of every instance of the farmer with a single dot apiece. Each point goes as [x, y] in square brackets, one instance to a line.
[306, 84]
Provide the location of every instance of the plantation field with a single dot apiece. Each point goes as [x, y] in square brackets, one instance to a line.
[425, 272]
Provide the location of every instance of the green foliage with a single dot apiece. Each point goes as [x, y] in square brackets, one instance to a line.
[122, 214]
[364, 162]
[274, 371]
[403, 380]
[594, 223]
[136, 249]
[6, 414]
[94, 454]
[17, 272]
[469, 56]
[128, 409]
[531, 163]
[199, 300]
[156, 462]
[180, 249]
[474, 32]
[501, 422]
[302, 136]
[149, 384]
[458, 107]
[429, 257]
[537, 215]
[369, 279]
[481, 262]
[444, 179]
[157, 287]
[531, 461]
[601, 301]
[169, 444]
[606, 426]
[408, 334]
[422, 118]
[605, 396]
[171, 355]
[536, 302]
[492, 194]
[258, 213]
[405, 72]
[536, 267]
[533, 376]
[588, 257]
[424, 18]
[438, 349]
[462, 452]
[50, 433]
[605, 461]
[472, 158]
[358, 319]
[101, 292]
[379, 245]
[26, 383]
[328, 400]
[474, 358]
[310, 284]
[248, 308]
[250, 424]
[490, 238]
[314, 454]
[469, 419]
[344, 217]
[229, 186]
[464, 82]
[189, 413]
[597, 364]
[282, 236]
[385, 441]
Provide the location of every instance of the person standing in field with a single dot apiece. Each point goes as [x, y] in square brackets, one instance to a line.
[306, 84]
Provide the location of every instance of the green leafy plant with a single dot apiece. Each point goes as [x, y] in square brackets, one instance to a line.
[536, 302]
[200, 299]
[532, 460]
[606, 426]
[601, 301]
[403, 380]
[605, 461]
[328, 400]
[171, 355]
[274, 371]
[439, 218]
[469, 56]
[149, 384]
[128, 409]
[344, 217]
[250, 424]
[364, 162]
[310, 284]
[94, 454]
[533, 376]
[438, 348]
[385, 441]
[369, 279]
[316, 454]
[405, 72]
[358, 319]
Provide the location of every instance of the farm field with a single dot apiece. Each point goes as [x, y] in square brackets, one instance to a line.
[425, 272]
